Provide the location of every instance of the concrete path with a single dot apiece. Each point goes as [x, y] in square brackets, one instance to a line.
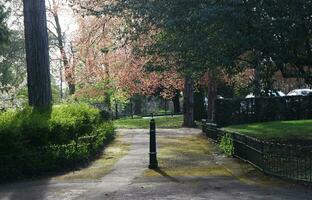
[190, 168]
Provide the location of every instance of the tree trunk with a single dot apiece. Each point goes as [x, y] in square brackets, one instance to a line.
[176, 103]
[116, 109]
[71, 77]
[188, 104]
[69, 71]
[257, 81]
[107, 94]
[199, 106]
[131, 108]
[137, 107]
[212, 97]
[37, 53]
[61, 80]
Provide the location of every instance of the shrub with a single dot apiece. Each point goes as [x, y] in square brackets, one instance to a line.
[226, 144]
[72, 120]
[34, 126]
[10, 135]
[33, 141]
[105, 115]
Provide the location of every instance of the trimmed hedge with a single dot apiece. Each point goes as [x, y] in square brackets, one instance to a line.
[263, 109]
[35, 142]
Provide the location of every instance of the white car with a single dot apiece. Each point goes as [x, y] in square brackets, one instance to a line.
[270, 93]
[300, 92]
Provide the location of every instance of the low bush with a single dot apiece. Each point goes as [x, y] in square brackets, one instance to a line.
[226, 144]
[33, 142]
[72, 120]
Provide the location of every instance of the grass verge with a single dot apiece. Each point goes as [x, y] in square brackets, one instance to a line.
[298, 129]
[143, 123]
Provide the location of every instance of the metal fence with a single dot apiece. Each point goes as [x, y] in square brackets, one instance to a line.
[240, 111]
[283, 160]
[143, 108]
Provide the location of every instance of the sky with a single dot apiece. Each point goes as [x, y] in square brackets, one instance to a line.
[68, 22]
[66, 16]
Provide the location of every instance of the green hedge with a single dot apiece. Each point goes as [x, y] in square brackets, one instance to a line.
[34, 142]
[262, 109]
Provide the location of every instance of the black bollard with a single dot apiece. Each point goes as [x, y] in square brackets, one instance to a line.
[153, 164]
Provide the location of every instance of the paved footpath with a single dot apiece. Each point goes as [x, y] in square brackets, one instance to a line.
[190, 168]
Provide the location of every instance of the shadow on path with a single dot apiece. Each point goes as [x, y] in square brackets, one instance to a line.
[24, 190]
[164, 174]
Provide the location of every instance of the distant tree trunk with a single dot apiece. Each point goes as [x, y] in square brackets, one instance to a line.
[257, 76]
[257, 81]
[199, 106]
[107, 94]
[137, 104]
[61, 80]
[176, 103]
[188, 104]
[212, 97]
[37, 53]
[116, 109]
[137, 107]
[69, 72]
[131, 108]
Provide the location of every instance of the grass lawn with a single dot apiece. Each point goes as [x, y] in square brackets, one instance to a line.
[299, 130]
[161, 122]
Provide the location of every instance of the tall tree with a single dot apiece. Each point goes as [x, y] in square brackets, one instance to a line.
[4, 32]
[54, 9]
[37, 53]
[171, 27]
[12, 65]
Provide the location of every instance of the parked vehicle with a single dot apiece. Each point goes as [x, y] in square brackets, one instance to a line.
[269, 93]
[300, 92]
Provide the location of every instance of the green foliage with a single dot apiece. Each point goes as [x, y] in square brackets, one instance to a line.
[10, 134]
[4, 33]
[226, 144]
[105, 132]
[12, 63]
[58, 125]
[185, 34]
[197, 36]
[71, 120]
[12, 71]
[36, 141]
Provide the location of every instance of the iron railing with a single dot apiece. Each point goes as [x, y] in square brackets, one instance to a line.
[290, 161]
